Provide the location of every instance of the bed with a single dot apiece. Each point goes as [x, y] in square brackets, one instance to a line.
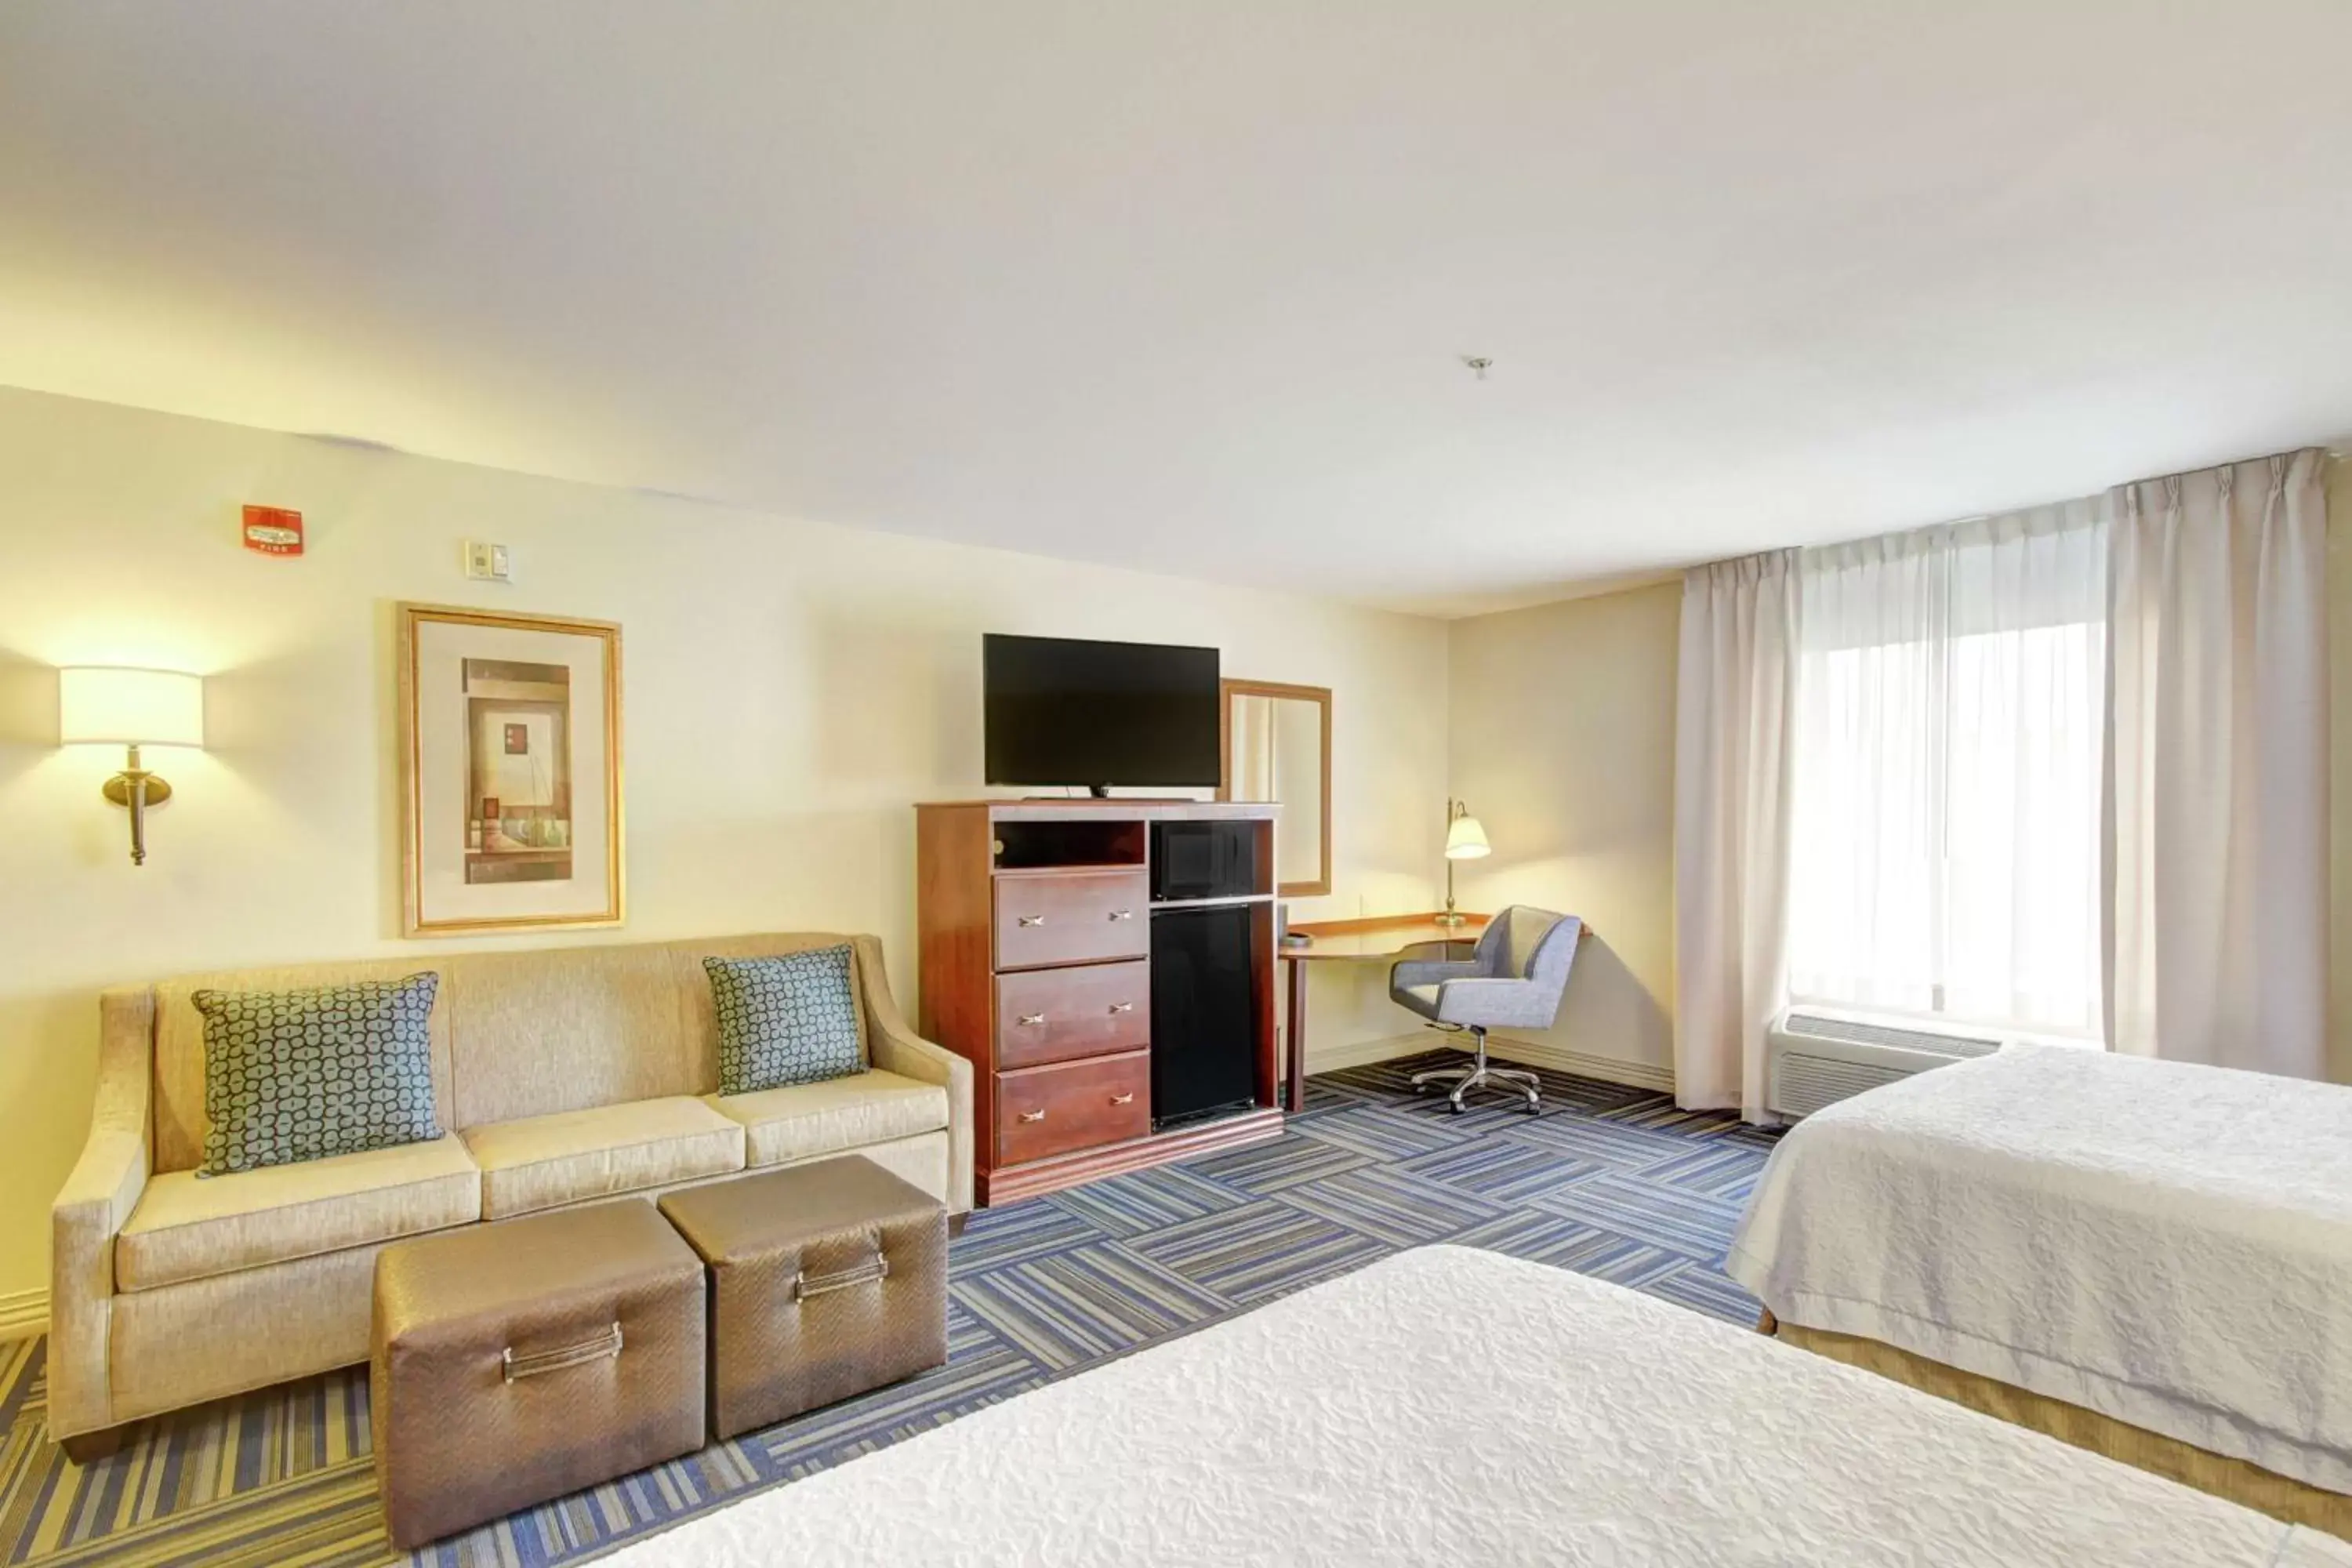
[1367, 1421]
[2150, 1259]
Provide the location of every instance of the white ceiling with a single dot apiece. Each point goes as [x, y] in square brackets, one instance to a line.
[1183, 286]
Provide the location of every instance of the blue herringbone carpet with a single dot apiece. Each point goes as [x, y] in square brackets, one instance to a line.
[1608, 1181]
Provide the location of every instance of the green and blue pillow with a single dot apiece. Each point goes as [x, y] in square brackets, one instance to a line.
[322, 1070]
[790, 1019]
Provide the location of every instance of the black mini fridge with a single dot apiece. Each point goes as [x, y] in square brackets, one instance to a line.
[1203, 1015]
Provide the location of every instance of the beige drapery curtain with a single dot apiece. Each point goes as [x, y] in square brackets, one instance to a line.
[2216, 790]
[2213, 813]
[1735, 699]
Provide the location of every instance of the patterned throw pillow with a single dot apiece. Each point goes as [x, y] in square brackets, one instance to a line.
[784, 1020]
[328, 1069]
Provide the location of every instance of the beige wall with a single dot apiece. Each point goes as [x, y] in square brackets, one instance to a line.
[792, 688]
[1562, 742]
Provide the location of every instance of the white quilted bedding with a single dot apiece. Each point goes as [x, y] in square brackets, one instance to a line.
[1453, 1407]
[2167, 1244]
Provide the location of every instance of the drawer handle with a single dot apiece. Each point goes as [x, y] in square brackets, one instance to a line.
[1127, 1099]
[1122, 1007]
[1031, 1020]
[1122, 915]
[605, 1346]
[1031, 919]
[1032, 1116]
[806, 1284]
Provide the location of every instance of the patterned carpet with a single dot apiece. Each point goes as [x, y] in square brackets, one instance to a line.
[1608, 1181]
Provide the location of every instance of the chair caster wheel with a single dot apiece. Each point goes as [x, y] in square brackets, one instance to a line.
[1459, 1109]
[1535, 1106]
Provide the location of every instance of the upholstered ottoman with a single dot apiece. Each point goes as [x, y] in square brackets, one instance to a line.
[827, 1280]
[516, 1362]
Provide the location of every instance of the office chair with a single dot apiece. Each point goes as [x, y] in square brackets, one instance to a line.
[1512, 980]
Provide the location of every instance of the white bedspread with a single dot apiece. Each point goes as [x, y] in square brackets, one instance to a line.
[1453, 1407]
[2167, 1244]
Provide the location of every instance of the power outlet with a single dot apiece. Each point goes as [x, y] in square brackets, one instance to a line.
[489, 561]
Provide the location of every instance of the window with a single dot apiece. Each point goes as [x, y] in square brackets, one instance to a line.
[1946, 805]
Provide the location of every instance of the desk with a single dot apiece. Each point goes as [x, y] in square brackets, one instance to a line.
[1383, 938]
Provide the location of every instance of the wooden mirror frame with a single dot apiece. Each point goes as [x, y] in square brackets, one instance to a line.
[1321, 697]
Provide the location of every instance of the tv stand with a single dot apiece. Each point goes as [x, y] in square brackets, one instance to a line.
[1037, 927]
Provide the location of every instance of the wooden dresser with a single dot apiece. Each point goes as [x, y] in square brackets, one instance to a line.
[1036, 919]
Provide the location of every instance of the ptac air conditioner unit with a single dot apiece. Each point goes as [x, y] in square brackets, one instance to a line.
[1814, 1059]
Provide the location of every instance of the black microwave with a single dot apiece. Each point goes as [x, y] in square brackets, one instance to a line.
[1203, 860]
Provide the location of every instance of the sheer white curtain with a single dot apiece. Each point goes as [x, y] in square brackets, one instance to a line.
[2063, 771]
[1948, 743]
[1735, 692]
[2218, 797]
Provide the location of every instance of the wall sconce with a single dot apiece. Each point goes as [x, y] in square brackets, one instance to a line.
[131, 708]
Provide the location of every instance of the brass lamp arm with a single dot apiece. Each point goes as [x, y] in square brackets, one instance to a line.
[136, 789]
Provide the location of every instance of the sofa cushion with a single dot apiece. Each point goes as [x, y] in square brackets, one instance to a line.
[545, 1162]
[841, 1113]
[787, 1019]
[538, 1033]
[186, 1228]
[317, 1072]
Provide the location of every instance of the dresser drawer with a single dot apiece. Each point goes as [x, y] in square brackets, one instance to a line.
[1071, 917]
[1050, 1110]
[1060, 1015]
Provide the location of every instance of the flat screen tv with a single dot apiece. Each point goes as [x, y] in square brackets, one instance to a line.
[1062, 711]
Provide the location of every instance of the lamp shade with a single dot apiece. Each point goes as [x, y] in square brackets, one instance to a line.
[1466, 840]
[130, 707]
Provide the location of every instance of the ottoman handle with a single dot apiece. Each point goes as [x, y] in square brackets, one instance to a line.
[605, 1346]
[806, 1284]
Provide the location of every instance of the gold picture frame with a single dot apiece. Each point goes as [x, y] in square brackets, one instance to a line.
[511, 802]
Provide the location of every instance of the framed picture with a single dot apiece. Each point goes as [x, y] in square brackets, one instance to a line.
[511, 771]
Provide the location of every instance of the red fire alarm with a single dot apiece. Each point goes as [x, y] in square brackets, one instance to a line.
[273, 531]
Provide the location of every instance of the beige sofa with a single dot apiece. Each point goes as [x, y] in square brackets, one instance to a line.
[563, 1077]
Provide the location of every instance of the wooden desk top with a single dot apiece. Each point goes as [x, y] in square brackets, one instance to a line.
[1385, 936]
[1382, 936]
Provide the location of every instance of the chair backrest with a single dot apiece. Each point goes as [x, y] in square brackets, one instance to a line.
[1524, 942]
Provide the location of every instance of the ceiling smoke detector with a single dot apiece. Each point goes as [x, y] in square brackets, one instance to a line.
[1477, 362]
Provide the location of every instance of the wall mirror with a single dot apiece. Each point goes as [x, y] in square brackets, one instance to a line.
[1276, 743]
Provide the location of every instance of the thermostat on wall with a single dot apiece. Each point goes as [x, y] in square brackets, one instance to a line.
[489, 562]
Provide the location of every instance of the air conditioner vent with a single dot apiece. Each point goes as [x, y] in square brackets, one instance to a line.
[1804, 1084]
[1862, 1034]
[1815, 1059]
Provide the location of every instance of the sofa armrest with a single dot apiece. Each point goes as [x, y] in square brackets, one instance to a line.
[910, 1056]
[894, 1047]
[92, 1209]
